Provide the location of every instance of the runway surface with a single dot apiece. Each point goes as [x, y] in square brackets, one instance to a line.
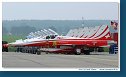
[25, 60]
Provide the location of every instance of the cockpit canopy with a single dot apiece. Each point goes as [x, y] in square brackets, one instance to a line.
[50, 36]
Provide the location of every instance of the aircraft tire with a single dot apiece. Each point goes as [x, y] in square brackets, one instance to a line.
[38, 52]
[87, 52]
[77, 51]
[100, 50]
[6, 49]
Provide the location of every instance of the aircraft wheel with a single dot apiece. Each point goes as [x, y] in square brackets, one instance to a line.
[47, 52]
[34, 52]
[38, 52]
[77, 51]
[100, 50]
[87, 52]
[6, 49]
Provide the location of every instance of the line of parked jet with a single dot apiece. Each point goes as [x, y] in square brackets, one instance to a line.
[77, 41]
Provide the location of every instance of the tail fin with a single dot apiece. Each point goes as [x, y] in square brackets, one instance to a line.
[103, 33]
[53, 32]
[100, 32]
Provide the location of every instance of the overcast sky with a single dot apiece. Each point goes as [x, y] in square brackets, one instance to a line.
[59, 11]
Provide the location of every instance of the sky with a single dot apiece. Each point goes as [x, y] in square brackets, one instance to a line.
[59, 11]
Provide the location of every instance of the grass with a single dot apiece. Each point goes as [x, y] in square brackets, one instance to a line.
[11, 38]
[106, 49]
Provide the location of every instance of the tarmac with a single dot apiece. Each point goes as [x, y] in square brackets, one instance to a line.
[26, 60]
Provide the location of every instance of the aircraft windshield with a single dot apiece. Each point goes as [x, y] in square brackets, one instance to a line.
[51, 36]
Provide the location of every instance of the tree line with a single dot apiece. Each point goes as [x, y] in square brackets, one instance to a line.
[18, 30]
[21, 30]
[23, 27]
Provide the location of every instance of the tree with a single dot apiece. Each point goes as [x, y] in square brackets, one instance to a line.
[22, 30]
